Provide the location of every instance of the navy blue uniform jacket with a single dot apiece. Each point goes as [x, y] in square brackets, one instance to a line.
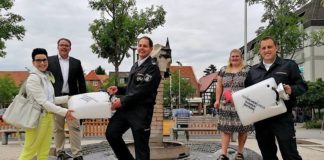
[141, 90]
[283, 71]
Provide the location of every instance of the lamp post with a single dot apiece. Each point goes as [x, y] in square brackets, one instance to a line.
[134, 49]
[245, 31]
[180, 64]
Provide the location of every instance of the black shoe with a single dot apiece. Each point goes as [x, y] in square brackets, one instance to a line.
[222, 157]
[78, 158]
[63, 156]
[239, 156]
[60, 157]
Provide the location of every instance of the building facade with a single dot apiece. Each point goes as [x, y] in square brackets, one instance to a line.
[310, 59]
[208, 88]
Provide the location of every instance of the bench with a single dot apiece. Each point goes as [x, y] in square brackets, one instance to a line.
[186, 131]
[194, 125]
[7, 132]
[182, 122]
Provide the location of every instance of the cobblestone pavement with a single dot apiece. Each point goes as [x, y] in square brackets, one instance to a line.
[310, 145]
[199, 150]
[202, 147]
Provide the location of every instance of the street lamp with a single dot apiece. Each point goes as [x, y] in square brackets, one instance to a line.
[134, 49]
[180, 64]
[245, 31]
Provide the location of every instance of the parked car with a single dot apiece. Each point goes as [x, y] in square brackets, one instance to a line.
[212, 111]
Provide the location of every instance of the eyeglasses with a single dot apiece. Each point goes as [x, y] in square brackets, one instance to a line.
[64, 45]
[41, 60]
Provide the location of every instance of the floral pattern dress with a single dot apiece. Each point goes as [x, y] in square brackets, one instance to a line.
[229, 121]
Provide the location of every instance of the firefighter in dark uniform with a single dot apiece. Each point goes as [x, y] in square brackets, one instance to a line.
[279, 127]
[135, 109]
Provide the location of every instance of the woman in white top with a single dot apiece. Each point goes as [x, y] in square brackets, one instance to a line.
[38, 86]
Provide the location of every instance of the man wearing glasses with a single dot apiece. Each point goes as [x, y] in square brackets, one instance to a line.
[69, 80]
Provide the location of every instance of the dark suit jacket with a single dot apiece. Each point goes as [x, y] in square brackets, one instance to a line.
[76, 79]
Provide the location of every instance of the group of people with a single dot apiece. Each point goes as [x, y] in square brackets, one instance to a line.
[62, 74]
[237, 75]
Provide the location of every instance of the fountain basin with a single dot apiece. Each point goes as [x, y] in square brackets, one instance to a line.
[165, 151]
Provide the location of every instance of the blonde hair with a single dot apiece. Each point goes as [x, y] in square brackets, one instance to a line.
[229, 65]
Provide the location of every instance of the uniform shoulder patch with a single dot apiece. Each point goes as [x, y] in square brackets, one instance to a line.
[147, 77]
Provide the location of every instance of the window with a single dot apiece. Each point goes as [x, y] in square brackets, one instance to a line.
[121, 80]
[95, 83]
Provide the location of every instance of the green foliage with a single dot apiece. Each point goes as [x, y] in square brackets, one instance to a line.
[186, 90]
[100, 71]
[211, 69]
[317, 37]
[119, 27]
[9, 27]
[8, 90]
[90, 88]
[286, 26]
[316, 123]
[314, 97]
[111, 81]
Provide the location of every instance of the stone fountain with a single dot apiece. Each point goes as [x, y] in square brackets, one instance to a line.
[162, 150]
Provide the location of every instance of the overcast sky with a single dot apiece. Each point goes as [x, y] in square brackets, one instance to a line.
[200, 32]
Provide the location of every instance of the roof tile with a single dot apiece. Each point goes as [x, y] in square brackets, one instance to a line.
[17, 76]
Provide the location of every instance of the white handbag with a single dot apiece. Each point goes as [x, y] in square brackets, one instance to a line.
[23, 112]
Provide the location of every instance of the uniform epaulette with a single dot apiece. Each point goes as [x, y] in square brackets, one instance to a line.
[290, 60]
[153, 62]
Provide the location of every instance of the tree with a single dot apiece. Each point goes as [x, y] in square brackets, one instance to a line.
[111, 81]
[186, 90]
[100, 71]
[120, 25]
[90, 88]
[211, 69]
[9, 27]
[285, 25]
[314, 97]
[8, 90]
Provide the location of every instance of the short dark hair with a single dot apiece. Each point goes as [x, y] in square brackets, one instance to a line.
[65, 39]
[267, 38]
[37, 51]
[148, 38]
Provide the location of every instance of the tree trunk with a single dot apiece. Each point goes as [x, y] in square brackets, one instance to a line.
[116, 75]
[319, 113]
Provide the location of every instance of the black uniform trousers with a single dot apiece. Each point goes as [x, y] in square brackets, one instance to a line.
[140, 126]
[282, 128]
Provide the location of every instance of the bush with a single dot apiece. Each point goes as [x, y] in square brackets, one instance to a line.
[316, 123]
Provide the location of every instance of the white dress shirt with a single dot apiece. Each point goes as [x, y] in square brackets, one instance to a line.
[64, 63]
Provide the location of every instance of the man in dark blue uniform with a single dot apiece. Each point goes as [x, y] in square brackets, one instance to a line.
[279, 127]
[135, 109]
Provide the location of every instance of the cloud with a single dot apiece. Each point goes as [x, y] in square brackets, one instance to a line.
[200, 32]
